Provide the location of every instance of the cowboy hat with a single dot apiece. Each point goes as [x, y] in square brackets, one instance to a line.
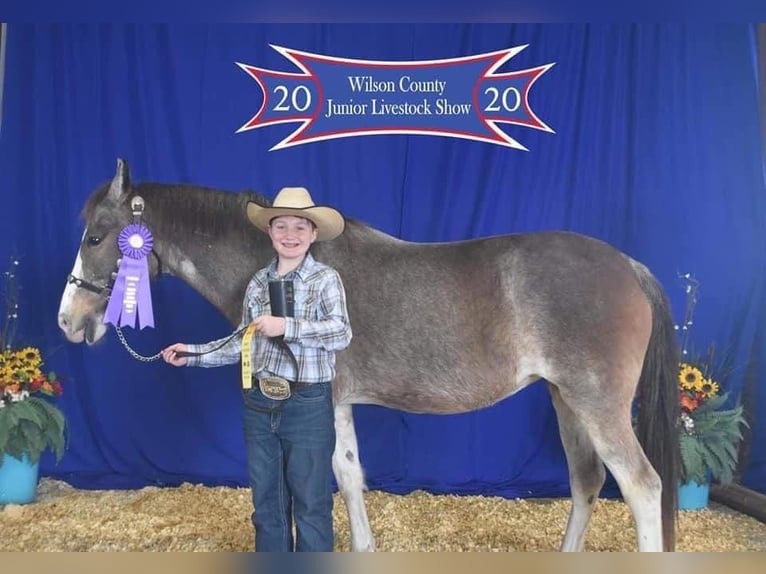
[297, 201]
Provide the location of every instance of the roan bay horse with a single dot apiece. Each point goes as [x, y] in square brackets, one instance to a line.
[481, 320]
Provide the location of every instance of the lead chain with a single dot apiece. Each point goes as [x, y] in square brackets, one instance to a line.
[133, 353]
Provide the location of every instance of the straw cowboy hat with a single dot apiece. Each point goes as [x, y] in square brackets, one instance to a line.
[297, 201]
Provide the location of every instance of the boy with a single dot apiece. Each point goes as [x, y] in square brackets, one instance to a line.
[290, 441]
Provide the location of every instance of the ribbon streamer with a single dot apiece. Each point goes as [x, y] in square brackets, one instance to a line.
[247, 357]
[131, 297]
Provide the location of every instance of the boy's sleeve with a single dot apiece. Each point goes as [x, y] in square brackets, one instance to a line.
[232, 350]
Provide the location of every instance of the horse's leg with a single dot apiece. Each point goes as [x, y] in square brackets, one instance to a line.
[350, 479]
[586, 473]
[607, 419]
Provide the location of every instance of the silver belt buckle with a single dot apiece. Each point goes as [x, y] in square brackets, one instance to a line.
[275, 388]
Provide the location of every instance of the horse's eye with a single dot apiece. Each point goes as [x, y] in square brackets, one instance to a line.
[94, 240]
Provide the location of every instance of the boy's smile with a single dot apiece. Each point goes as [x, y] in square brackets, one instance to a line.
[291, 237]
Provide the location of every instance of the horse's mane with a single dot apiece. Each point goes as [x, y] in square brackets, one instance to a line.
[199, 209]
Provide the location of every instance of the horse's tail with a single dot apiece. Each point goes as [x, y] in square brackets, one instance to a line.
[657, 399]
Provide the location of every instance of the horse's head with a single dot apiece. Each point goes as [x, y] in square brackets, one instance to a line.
[81, 312]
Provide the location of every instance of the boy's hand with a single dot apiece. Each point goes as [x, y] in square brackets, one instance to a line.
[169, 355]
[270, 326]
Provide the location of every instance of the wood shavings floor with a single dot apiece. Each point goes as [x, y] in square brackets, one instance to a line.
[199, 518]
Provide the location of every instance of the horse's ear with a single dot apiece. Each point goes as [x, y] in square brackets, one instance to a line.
[121, 181]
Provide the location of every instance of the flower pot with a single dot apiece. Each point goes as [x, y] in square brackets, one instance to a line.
[693, 496]
[18, 480]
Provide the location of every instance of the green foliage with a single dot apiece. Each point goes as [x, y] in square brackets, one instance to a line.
[710, 447]
[709, 436]
[28, 423]
[29, 427]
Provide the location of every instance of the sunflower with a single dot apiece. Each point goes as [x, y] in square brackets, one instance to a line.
[709, 388]
[5, 373]
[690, 378]
[30, 356]
[15, 361]
[31, 372]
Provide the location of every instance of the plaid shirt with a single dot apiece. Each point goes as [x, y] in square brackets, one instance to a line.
[320, 326]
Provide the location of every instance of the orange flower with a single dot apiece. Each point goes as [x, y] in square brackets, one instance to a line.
[689, 404]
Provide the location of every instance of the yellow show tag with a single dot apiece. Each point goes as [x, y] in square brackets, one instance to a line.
[247, 357]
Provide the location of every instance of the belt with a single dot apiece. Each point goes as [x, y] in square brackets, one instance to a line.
[294, 385]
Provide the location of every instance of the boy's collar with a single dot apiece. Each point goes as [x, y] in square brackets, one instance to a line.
[302, 271]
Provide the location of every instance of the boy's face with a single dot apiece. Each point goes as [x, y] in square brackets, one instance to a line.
[291, 236]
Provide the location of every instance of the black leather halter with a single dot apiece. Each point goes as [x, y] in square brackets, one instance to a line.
[105, 290]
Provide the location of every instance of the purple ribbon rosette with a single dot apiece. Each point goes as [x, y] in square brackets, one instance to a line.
[131, 295]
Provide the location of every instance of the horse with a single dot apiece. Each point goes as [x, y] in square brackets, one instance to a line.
[442, 328]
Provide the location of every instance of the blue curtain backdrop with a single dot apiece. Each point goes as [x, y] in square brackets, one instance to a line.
[657, 150]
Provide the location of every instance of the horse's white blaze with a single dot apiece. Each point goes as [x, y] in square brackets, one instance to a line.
[65, 307]
[73, 307]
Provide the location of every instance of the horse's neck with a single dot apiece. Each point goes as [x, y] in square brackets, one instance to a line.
[222, 283]
[217, 264]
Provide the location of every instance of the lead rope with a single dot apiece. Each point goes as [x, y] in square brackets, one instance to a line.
[156, 356]
[247, 359]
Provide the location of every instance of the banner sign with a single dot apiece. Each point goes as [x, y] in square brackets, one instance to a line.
[335, 97]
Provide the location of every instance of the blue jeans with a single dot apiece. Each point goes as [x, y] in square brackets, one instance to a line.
[289, 460]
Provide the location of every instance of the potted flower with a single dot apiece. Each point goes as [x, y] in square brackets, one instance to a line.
[709, 433]
[29, 422]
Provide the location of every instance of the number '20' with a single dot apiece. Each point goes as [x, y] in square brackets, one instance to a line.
[510, 100]
[299, 98]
